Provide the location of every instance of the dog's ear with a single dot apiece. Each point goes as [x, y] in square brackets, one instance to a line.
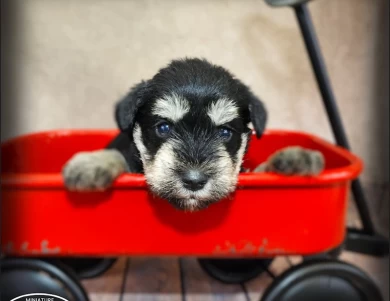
[126, 108]
[258, 115]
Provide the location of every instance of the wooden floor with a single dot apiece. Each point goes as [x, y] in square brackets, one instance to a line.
[157, 279]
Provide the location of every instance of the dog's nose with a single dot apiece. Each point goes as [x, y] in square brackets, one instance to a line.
[194, 179]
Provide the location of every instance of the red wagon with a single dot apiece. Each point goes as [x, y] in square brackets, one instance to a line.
[267, 216]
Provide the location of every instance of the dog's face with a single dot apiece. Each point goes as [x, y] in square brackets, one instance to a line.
[190, 126]
[191, 148]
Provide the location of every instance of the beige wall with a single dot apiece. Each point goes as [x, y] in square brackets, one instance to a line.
[75, 58]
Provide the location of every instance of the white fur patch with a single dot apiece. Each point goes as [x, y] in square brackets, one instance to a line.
[226, 180]
[222, 111]
[241, 152]
[159, 172]
[172, 107]
[137, 136]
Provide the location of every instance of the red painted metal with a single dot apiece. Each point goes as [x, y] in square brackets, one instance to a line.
[268, 214]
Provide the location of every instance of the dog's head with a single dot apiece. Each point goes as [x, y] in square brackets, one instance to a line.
[190, 126]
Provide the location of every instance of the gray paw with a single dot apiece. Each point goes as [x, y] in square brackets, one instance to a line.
[296, 161]
[261, 168]
[96, 170]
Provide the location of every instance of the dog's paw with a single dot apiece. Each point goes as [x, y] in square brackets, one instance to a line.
[296, 161]
[263, 167]
[95, 170]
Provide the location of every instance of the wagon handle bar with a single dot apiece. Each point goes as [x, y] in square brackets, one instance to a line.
[373, 243]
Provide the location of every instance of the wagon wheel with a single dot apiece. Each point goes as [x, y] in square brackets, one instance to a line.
[323, 280]
[21, 276]
[87, 267]
[234, 271]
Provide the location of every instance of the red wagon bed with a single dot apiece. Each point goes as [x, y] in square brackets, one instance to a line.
[268, 215]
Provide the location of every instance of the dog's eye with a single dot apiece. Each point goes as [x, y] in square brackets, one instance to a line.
[225, 133]
[163, 129]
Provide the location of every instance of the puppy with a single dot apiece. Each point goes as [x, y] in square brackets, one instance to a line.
[187, 129]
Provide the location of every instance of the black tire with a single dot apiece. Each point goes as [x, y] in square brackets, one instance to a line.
[233, 271]
[87, 267]
[20, 276]
[323, 280]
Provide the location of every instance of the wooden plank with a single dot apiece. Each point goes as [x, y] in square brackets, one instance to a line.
[199, 286]
[107, 287]
[152, 279]
[256, 287]
[294, 260]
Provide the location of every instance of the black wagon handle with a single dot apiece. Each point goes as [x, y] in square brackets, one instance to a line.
[365, 241]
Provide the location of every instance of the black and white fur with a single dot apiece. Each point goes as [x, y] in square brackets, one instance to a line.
[186, 129]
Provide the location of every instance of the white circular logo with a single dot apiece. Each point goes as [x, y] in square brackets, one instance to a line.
[39, 297]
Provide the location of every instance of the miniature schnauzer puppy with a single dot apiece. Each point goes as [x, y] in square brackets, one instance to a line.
[186, 129]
